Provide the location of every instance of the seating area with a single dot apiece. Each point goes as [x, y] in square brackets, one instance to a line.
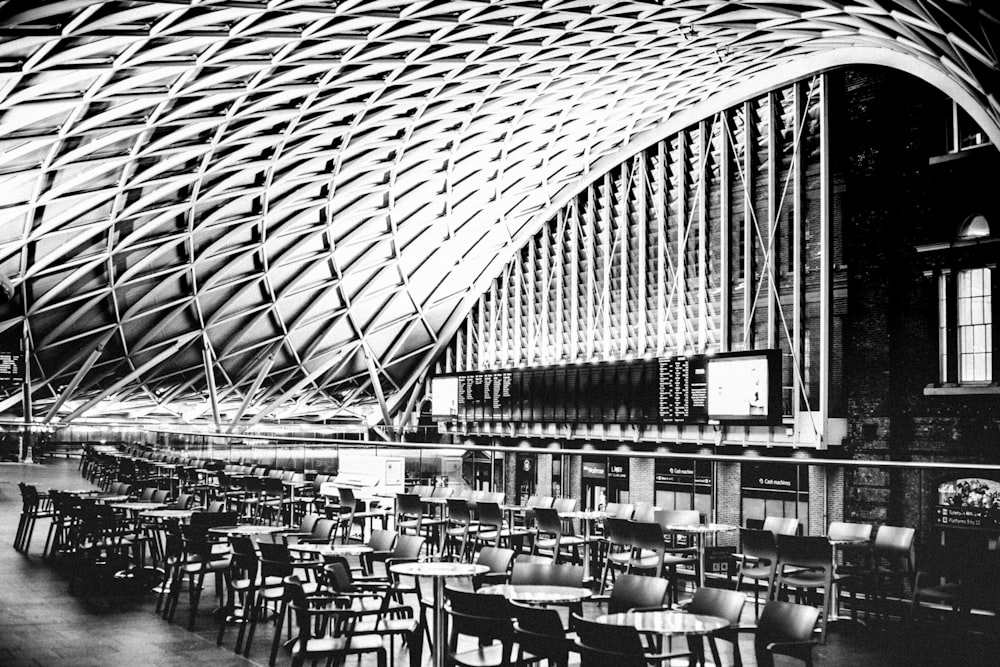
[277, 593]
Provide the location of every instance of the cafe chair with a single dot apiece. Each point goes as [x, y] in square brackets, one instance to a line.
[499, 561]
[34, 506]
[550, 574]
[374, 607]
[757, 561]
[724, 604]
[890, 564]
[196, 560]
[955, 576]
[493, 529]
[409, 514]
[381, 543]
[487, 618]
[458, 529]
[644, 512]
[241, 582]
[620, 510]
[322, 532]
[275, 564]
[603, 645]
[540, 635]
[806, 563]
[618, 548]
[787, 629]
[783, 525]
[325, 629]
[304, 529]
[405, 550]
[635, 591]
[550, 536]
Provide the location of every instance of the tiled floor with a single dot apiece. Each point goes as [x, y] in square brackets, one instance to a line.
[42, 624]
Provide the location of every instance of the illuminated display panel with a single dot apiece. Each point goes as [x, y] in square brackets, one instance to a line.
[745, 387]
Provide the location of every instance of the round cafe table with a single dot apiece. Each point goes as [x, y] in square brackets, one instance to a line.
[665, 622]
[587, 518]
[167, 514]
[137, 506]
[331, 549]
[246, 529]
[700, 531]
[439, 572]
[538, 593]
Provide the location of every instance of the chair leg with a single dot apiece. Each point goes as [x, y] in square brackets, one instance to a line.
[195, 598]
[282, 610]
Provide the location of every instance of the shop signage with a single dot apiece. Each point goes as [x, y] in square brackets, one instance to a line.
[683, 475]
[617, 471]
[774, 478]
[594, 470]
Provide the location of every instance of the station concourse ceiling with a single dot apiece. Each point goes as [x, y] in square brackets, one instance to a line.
[245, 210]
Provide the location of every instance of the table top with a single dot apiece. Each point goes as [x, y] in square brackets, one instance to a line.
[702, 528]
[439, 569]
[167, 514]
[847, 541]
[138, 505]
[246, 529]
[666, 622]
[588, 515]
[112, 498]
[435, 500]
[331, 549]
[538, 593]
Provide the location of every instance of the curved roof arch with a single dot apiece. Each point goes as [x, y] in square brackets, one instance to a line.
[231, 209]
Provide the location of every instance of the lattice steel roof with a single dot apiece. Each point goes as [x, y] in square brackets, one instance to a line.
[304, 196]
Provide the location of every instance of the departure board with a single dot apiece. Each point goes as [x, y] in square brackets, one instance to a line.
[682, 390]
[671, 390]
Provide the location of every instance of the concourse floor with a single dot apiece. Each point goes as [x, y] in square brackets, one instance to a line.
[42, 624]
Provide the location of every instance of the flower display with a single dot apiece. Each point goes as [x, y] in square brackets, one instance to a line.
[979, 493]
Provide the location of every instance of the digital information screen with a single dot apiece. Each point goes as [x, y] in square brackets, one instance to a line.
[745, 387]
[738, 387]
[683, 390]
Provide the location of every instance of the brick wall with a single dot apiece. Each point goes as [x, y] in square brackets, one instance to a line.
[890, 198]
[543, 486]
[728, 508]
[640, 480]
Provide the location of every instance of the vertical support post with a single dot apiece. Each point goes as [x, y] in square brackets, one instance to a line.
[725, 234]
[680, 268]
[703, 151]
[642, 313]
[26, 455]
[771, 232]
[659, 180]
[748, 227]
[825, 250]
[799, 99]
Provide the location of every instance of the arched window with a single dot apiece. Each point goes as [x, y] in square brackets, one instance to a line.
[967, 280]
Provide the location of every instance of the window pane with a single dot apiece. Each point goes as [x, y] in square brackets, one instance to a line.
[975, 329]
